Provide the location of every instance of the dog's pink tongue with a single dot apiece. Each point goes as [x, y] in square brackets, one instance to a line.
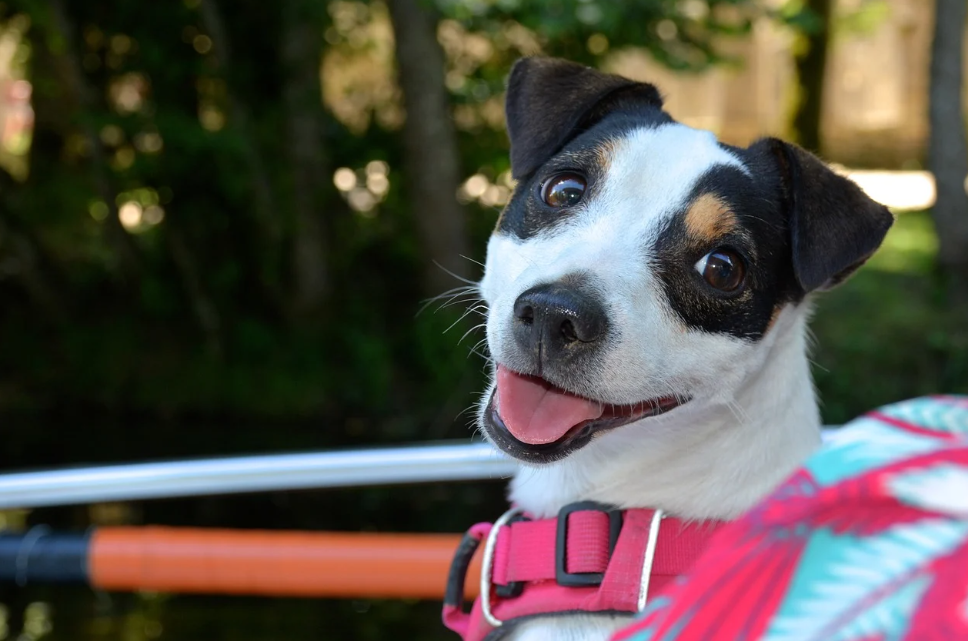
[537, 413]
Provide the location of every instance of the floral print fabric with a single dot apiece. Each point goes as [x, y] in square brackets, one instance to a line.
[868, 541]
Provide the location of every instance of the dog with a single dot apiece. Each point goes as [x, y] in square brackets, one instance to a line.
[648, 290]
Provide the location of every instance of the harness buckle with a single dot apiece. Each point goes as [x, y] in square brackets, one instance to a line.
[568, 579]
[649, 559]
[487, 565]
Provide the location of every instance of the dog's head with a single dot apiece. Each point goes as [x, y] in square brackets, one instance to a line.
[641, 264]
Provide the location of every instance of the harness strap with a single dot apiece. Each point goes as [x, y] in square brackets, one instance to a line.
[523, 552]
[589, 559]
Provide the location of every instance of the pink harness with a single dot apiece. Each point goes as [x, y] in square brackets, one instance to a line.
[591, 558]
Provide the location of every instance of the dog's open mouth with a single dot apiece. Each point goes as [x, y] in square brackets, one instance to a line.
[530, 418]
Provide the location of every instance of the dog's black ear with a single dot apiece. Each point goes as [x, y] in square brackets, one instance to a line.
[834, 226]
[550, 101]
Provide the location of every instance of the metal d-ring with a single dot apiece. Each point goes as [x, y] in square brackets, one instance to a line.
[487, 565]
[649, 558]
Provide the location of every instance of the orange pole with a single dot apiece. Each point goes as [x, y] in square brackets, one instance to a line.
[311, 564]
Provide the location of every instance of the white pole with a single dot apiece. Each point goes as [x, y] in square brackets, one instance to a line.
[460, 461]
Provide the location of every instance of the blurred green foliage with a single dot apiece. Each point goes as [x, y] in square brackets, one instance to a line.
[174, 113]
[889, 332]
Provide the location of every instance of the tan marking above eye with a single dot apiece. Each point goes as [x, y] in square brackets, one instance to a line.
[709, 218]
[604, 154]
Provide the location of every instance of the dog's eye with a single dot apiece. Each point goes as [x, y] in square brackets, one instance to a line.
[723, 269]
[563, 190]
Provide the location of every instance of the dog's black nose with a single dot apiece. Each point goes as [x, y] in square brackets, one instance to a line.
[556, 320]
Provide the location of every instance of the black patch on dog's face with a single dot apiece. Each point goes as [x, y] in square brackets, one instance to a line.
[589, 155]
[799, 226]
[550, 101]
[756, 230]
[834, 226]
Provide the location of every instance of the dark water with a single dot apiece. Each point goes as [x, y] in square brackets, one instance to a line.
[68, 614]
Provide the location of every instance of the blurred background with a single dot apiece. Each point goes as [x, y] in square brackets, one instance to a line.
[219, 220]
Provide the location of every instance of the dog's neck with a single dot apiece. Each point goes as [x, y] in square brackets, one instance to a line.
[707, 459]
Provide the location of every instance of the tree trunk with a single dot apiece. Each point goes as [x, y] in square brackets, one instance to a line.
[433, 163]
[948, 146]
[31, 270]
[203, 307]
[302, 94]
[811, 66]
[264, 200]
[268, 240]
[64, 54]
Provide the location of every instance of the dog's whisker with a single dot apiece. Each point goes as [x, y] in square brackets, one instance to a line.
[450, 292]
[461, 293]
[480, 310]
[465, 295]
[471, 330]
[469, 408]
[481, 344]
[817, 365]
[476, 350]
[468, 293]
[449, 295]
[481, 350]
[456, 322]
[477, 306]
[474, 302]
[458, 277]
[476, 262]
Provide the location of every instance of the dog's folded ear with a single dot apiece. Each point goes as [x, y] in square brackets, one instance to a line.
[834, 226]
[550, 101]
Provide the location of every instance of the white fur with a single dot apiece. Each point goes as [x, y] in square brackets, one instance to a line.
[753, 417]
[577, 628]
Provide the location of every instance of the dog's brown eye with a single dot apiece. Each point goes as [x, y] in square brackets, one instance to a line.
[563, 190]
[723, 269]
